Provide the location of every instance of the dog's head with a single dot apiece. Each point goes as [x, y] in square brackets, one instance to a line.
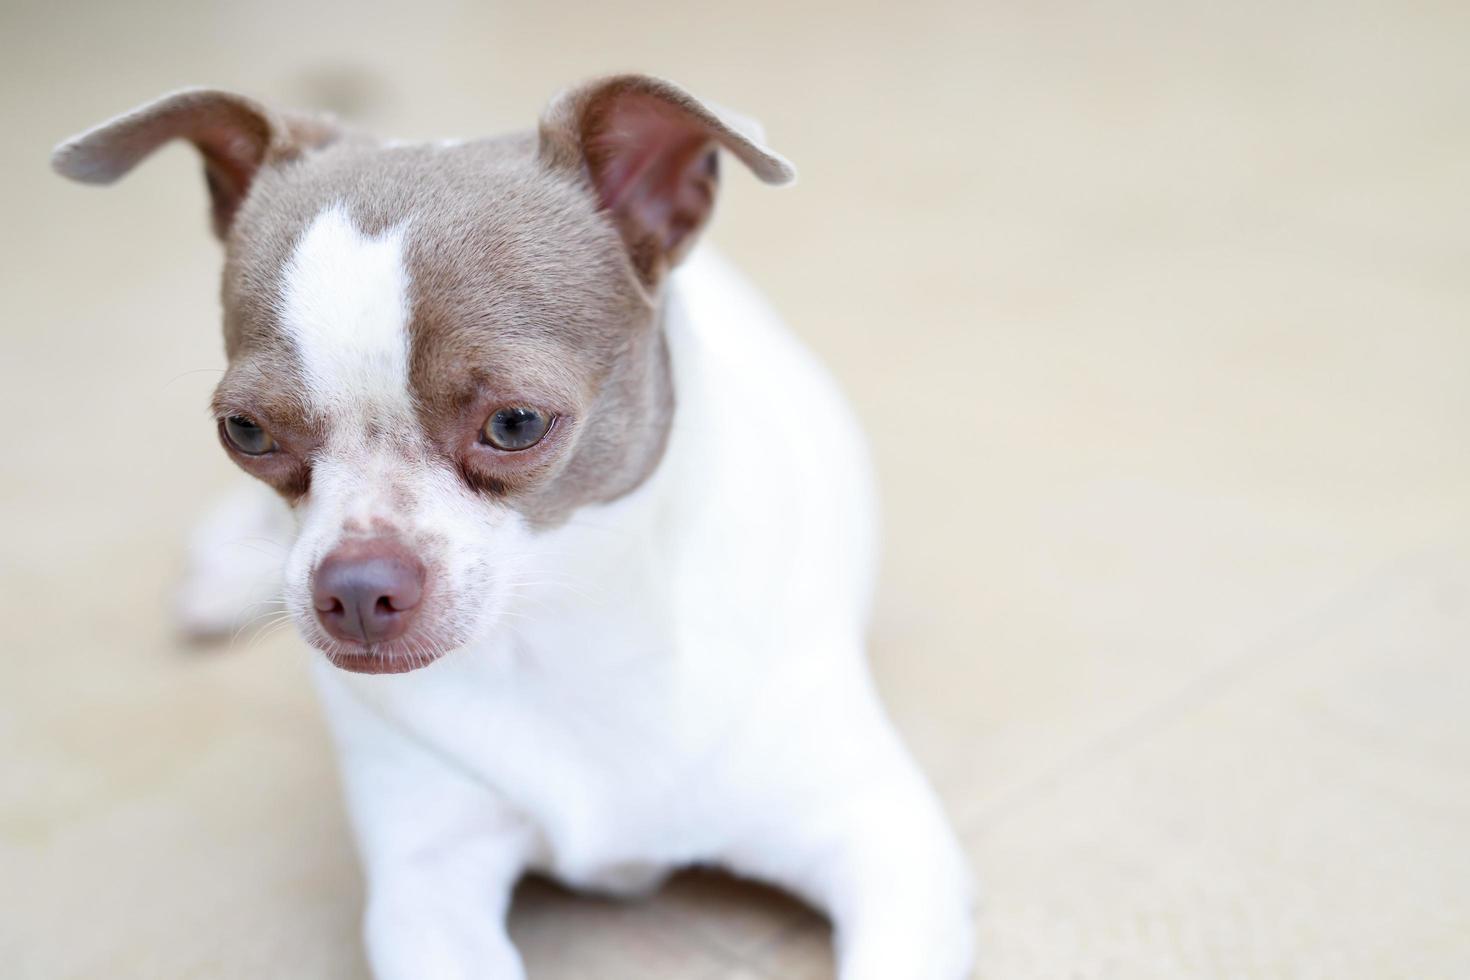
[437, 351]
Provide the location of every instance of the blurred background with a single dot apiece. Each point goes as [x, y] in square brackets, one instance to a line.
[1157, 314]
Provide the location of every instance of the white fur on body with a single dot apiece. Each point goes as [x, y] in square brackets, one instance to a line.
[674, 678]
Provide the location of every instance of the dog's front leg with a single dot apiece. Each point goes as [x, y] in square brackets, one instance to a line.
[885, 866]
[893, 879]
[440, 850]
[441, 914]
[863, 837]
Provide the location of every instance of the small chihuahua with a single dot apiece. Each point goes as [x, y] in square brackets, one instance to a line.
[587, 539]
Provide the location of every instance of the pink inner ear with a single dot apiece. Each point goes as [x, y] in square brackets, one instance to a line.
[238, 155]
[231, 158]
[653, 166]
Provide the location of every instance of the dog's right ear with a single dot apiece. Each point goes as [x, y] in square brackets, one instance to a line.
[648, 150]
[236, 136]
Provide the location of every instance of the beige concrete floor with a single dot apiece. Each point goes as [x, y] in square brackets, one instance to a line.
[1158, 315]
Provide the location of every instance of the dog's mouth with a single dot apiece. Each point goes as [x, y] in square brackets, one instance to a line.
[386, 658]
[412, 651]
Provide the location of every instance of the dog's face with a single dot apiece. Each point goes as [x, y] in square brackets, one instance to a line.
[437, 352]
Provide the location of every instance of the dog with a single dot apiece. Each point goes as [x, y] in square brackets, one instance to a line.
[586, 538]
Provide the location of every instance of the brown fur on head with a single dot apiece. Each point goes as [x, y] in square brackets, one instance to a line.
[381, 302]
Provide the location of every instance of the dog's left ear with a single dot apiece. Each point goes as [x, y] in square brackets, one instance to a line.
[234, 135]
[650, 151]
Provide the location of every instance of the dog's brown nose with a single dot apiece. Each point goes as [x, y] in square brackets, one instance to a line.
[367, 592]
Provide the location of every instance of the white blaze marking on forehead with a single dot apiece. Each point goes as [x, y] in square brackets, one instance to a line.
[345, 304]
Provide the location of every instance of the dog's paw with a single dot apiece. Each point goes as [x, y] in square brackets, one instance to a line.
[232, 572]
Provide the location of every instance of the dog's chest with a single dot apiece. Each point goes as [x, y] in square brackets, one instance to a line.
[593, 719]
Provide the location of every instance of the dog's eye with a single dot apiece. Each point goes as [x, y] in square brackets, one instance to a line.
[248, 437]
[514, 429]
